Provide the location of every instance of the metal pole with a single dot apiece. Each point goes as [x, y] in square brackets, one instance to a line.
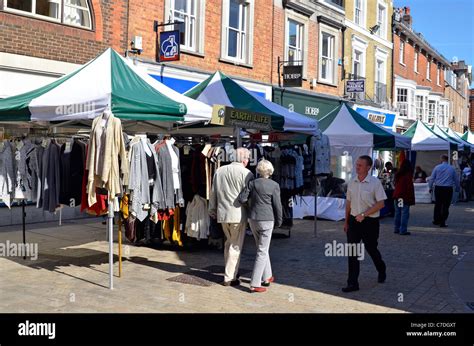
[110, 225]
[315, 205]
[238, 139]
[60, 216]
[23, 217]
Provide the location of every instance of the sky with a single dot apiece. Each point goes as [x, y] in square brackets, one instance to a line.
[448, 25]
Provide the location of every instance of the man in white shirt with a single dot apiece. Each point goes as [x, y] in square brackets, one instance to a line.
[365, 198]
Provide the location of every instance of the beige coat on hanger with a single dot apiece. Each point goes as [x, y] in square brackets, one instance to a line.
[106, 173]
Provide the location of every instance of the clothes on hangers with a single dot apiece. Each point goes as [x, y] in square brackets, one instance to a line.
[26, 186]
[106, 146]
[197, 218]
[50, 177]
[7, 173]
[320, 153]
[170, 174]
[146, 192]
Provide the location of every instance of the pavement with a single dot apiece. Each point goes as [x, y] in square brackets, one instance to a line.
[431, 270]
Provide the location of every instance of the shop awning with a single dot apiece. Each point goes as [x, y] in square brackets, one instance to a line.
[111, 81]
[467, 146]
[305, 102]
[349, 131]
[424, 139]
[219, 89]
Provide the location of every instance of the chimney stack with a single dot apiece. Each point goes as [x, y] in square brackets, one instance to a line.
[406, 19]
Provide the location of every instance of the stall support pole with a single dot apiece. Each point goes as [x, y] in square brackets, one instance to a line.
[120, 245]
[23, 218]
[110, 226]
[315, 205]
[60, 216]
[238, 139]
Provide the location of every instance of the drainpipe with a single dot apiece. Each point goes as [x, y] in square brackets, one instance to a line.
[392, 76]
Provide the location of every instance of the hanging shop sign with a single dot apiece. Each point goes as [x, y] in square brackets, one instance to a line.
[169, 45]
[293, 76]
[355, 86]
[233, 117]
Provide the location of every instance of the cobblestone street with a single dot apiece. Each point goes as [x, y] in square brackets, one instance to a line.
[430, 271]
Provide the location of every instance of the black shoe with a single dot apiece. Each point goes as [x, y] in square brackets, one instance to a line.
[231, 283]
[350, 288]
[405, 233]
[396, 232]
[443, 225]
[382, 277]
[436, 223]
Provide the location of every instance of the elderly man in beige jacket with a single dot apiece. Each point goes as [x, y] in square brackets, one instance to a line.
[224, 205]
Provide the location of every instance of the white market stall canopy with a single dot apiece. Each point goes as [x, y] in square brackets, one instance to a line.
[351, 132]
[219, 89]
[424, 139]
[468, 137]
[467, 146]
[454, 143]
[108, 81]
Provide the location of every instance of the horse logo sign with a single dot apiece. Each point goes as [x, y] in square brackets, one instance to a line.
[169, 45]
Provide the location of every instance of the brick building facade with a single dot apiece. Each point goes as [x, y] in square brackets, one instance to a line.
[39, 44]
[419, 72]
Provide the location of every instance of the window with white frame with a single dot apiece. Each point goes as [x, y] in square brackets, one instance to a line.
[185, 11]
[402, 101]
[428, 69]
[237, 30]
[420, 107]
[71, 12]
[438, 75]
[431, 112]
[294, 41]
[415, 61]
[382, 20]
[401, 56]
[359, 12]
[442, 116]
[357, 64]
[327, 57]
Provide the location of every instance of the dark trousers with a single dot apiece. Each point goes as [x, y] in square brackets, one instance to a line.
[443, 197]
[368, 232]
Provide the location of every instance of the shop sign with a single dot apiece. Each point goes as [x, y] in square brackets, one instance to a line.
[377, 118]
[169, 45]
[293, 76]
[233, 117]
[355, 86]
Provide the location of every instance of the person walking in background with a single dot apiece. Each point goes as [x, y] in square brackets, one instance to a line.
[227, 184]
[403, 196]
[365, 198]
[262, 196]
[444, 179]
[420, 175]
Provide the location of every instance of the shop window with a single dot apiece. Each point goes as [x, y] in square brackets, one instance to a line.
[76, 12]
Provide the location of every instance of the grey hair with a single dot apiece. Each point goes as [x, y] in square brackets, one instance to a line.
[242, 154]
[265, 168]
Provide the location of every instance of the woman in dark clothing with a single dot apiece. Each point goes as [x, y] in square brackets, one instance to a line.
[404, 197]
[264, 212]
[420, 175]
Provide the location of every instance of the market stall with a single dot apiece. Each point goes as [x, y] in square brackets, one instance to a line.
[110, 93]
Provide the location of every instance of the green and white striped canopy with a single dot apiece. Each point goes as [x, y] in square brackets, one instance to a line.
[351, 132]
[219, 89]
[467, 146]
[424, 138]
[455, 144]
[468, 137]
[108, 81]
